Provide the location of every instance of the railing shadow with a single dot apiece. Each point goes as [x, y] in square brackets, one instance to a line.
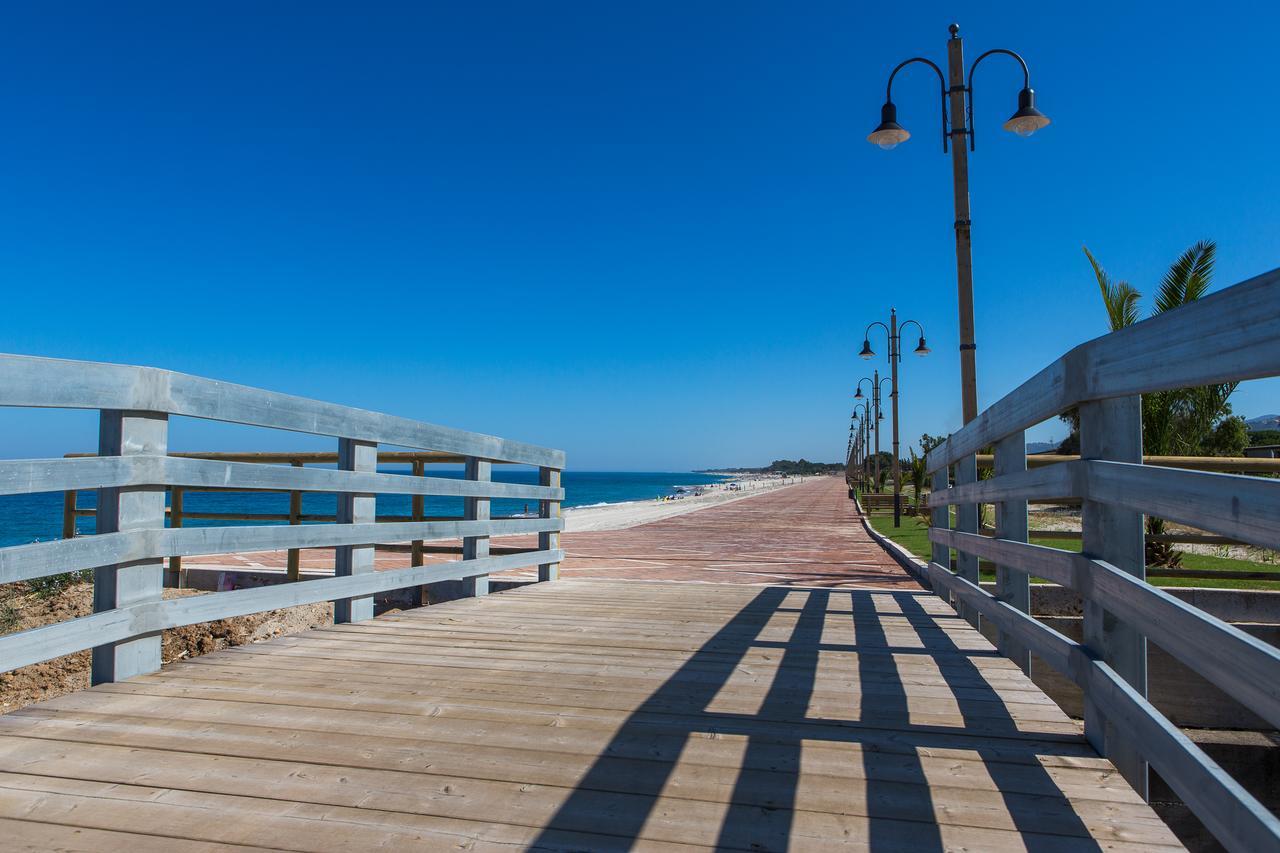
[896, 800]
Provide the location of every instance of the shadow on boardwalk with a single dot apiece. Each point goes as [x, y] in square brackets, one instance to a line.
[896, 809]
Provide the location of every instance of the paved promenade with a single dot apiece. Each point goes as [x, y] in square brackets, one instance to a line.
[802, 535]
[806, 535]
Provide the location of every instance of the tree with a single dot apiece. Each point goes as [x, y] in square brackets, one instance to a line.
[1229, 438]
[918, 474]
[929, 442]
[1183, 421]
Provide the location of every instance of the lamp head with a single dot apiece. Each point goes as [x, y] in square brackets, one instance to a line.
[857, 395]
[1027, 120]
[922, 350]
[889, 133]
[867, 352]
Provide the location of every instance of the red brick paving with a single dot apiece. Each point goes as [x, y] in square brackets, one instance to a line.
[804, 535]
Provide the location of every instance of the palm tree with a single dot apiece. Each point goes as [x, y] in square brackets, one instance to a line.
[1177, 422]
[918, 476]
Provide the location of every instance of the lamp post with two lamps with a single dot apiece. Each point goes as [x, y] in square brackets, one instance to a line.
[863, 442]
[957, 123]
[876, 416]
[894, 331]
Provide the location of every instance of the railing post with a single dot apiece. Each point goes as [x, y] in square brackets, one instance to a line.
[121, 510]
[477, 509]
[967, 522]
[175, 521]
[1013, 587]
[1112, 430]
[549, 540]
[940, 517]
[293, 565]
[418, 510]
[355, 508]
[69, 514]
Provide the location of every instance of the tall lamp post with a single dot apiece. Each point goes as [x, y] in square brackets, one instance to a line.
[894, 331]
[864, 438]
[957, 123]
[876, 415]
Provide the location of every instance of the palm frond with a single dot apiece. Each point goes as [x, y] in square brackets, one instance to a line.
[1189, 277]
[1119, 298]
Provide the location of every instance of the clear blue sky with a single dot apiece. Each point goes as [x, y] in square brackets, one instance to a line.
[650, 234]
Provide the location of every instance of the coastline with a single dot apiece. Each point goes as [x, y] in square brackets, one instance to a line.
[620, 516]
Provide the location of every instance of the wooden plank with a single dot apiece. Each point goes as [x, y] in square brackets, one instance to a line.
[210, 473]
[288, 776]
[673, 715]
[1228, 336]
[1057, 481]
[1243, 508]
[1112, 429]
[26, 476]
[50, 641]
[24, 562]
[1231, 813]
[967, 522]
[127, 512]
[1013, 585]
[549, 478]
[354, 508]
[55, 383]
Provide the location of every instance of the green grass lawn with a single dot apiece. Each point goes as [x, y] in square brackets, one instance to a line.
[914, 536]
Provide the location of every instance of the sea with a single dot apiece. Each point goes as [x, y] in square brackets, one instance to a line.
[38, 517]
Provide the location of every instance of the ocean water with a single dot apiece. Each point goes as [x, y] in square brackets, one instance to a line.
[38, 517]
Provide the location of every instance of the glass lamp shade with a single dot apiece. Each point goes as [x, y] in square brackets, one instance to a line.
[889, 133]
[1027, 120]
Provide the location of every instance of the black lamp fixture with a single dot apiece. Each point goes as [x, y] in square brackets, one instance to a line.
[921, 349]
[1027, 120]
[867, 351]
[889, 134]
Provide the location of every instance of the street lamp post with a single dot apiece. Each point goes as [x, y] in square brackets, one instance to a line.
[864, 438]
[878, 415]
[957, 123]
[894, 331]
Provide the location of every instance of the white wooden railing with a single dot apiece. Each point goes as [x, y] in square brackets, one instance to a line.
[132, 472]
[1229, 336]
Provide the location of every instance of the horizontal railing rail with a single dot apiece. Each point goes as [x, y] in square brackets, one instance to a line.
[133, 471]
[1229, 336]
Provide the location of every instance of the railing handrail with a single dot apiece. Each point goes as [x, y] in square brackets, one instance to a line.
[34, 382]
[133, 470]
[1230, 336]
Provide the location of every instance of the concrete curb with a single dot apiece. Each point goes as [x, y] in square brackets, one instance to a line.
[912, 564]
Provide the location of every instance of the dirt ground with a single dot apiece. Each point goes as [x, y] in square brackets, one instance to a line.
[67, 674]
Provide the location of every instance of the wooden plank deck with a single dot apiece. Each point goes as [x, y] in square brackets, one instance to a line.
[580, 715]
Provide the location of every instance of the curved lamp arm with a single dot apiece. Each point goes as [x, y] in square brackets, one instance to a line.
[867, 352]
[942, 80]
[1026, 83]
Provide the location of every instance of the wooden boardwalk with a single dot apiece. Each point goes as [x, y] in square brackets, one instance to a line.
[582, 714]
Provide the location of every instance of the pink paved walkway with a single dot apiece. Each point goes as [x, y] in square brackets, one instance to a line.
[804, 535]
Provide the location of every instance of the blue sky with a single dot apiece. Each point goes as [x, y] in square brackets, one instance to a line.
[649, 234]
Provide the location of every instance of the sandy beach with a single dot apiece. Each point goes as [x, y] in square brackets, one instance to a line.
[620, 516]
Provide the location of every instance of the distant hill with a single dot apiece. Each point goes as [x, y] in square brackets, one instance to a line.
[1263, 422]
[1042, 446]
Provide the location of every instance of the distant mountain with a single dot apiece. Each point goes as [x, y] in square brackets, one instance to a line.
[1042, 446]
[1263, 422]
